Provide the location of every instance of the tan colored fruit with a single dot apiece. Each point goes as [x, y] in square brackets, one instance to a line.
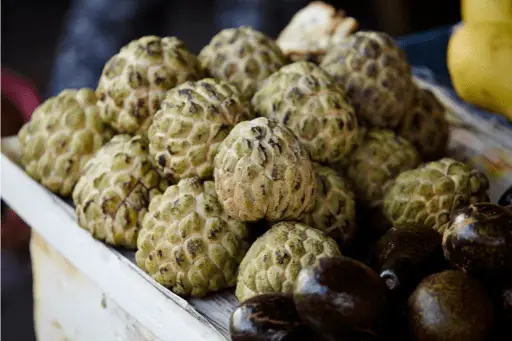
[62, 135]
[263, 172]
[335, 209]
[243, 57]
[188, 243]
[275, 259]
[135, 80]
[425, 126]
[306, 99]
[194, 119]
[114, 191]
[375, 75]
[313, 30]
[429, 194]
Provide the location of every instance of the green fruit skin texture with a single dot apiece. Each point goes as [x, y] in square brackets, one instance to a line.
[263, 172]
[450, 306]
[188, 243]
[340, 297]
[429, 194]
[195, 117]
[268, 317]
[335, 207]
[406, 255]
[242, 56]
[479, 240]
[134, 81]
[275, 259]
[306, 99]
[375, 75]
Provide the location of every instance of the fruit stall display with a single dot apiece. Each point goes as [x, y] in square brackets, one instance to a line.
[304, 188]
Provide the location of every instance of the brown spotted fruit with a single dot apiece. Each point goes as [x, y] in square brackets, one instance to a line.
[478, 240]
[450, 306]
[268, 317]
[341, 298]
[406, 255]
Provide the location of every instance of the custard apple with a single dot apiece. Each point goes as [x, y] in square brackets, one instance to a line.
[425, 126]
[275, 259]
[243, 57]
[135, 80]
[314, 109]
[188, 243]
[380, 158]
[113, 194]
[263, 172]
[375, 75]
[61, 136]
[335, 210]
[429, 194]
[194, 119]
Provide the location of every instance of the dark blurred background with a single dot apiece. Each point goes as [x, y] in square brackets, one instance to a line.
[54, 44]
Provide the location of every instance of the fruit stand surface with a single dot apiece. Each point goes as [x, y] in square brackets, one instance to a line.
[86, 290]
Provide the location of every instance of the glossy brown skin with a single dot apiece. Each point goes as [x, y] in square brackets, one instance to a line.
[406, 255]
[450, 306]
[268, 317]
[506, 198]
[479, 240]
[341, 298]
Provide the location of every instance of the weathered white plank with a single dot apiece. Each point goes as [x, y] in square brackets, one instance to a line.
[161, 312]
[69, 306]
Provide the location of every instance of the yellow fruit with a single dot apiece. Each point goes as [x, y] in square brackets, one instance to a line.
[479, 55]
[486, 10]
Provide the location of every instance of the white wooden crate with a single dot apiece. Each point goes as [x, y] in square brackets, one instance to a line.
[85, 290]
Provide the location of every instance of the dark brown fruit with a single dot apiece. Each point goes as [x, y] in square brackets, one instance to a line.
[341, 298]
[506, 198]
[268, 317]
[406, 255]
[478, 240]
[450, 306]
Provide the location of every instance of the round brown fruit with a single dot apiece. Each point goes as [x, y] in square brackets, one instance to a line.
[478, 240]
[268, 317]
[341, 298]
[450, 306]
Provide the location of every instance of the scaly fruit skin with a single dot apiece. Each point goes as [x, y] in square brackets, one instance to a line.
[429, 194]
[135, 80]
[194, 119]
[478, 59]
[275, 259]
[263, 172]
[380, 158]
[243, 57]
[311, 105]
[188, 243]
[425, 126]
[375, 75]
[114, 190]
[335, 208]
[61, 136]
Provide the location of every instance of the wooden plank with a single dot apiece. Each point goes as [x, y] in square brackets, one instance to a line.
[69, 306]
